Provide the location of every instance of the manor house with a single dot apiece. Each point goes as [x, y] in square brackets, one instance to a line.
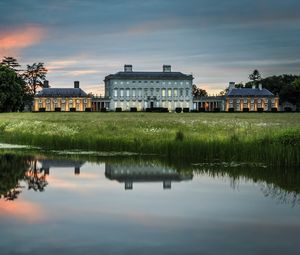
[147, 90]
[62, 99]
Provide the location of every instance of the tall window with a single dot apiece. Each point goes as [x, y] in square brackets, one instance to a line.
[127, 92]
[140, 92]
[169, 92]
[133, 92]
[175, 92]
[163, 92]
[181, 92]
[187, 92]
[115, 92]
[145, 92]
[121, 92]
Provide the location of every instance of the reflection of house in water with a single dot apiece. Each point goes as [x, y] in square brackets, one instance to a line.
[46, 164]
[144, 173]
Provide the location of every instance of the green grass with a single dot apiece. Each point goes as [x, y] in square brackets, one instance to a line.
[262, 137]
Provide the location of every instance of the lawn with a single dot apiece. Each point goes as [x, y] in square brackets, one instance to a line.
[268, 137]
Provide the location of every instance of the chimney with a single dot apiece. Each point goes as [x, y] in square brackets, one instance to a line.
[46, 84]
[166, 68]
[260, 86]
[76, 84]
[231, 85]
[127, 68]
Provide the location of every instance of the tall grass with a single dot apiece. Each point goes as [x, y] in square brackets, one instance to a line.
[272, 138]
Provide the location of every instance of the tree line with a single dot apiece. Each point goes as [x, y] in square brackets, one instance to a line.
[17, 86]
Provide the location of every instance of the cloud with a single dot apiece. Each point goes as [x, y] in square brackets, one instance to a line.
[26, 211]
[12, 41]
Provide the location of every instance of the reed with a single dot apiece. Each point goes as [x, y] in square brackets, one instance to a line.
[194, 137]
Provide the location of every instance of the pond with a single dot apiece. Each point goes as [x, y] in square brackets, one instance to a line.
[71, 204]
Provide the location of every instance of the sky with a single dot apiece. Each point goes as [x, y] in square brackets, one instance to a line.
[216, 41]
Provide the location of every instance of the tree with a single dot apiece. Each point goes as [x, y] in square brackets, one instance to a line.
[197, 92]
[11, 90]
[10, 62]
[255, 77]
[34, 77]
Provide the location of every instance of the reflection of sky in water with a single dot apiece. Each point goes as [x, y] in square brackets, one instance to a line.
[89, 213]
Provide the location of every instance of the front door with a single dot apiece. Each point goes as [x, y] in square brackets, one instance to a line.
[151, 104]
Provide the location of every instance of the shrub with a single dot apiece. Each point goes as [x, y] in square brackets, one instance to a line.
[186, 109]
[103, 109]
[287, 109]
[118, 109]
[230, 109]
[245, 109]
[217, 109]
[179, 136]
[260, 109]
[178, 109]
[133, 109]
[202, 109]
[274, 109]
[42, 109]
[72, 109]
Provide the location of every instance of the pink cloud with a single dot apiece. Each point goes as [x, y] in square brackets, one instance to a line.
[12, 41]
[22, 210]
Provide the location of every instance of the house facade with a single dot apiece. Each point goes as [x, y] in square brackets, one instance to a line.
[147, 90]
[62, 99]
[250, 99]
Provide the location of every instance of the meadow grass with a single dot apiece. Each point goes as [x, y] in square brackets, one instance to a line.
[266, 137]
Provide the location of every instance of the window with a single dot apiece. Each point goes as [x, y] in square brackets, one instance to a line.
[145, 92]
[140, 92]
[63, 107]
[127, 82]
[121, 92]
[151, 92]
[245, 101]
[169, 92]
[181, 92]
[163, 92]
[133, 92]
[175, 92]
[127, 92]
[115, 92]
[187, 92]
[157, 91]
[115, 82]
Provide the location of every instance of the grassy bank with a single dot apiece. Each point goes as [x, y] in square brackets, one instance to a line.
[267, 137]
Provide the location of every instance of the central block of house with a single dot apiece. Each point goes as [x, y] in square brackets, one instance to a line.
[149, 90]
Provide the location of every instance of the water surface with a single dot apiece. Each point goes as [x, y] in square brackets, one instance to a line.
[55, 205]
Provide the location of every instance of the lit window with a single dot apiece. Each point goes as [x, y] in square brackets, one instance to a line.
[163, 92]
[169, 92]
[175, 92]
[121, 92]
[115, 92]
[127, 92]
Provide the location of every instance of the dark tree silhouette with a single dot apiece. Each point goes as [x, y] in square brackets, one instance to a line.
[34, 76]
[197, 92]
[11, 62]
[255, 77]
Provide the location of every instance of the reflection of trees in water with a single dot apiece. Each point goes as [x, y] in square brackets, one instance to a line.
[35, 177]
[280, 184]
[279, 194]
[13, 170]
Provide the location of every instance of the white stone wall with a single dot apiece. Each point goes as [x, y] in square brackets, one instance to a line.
[143, 93]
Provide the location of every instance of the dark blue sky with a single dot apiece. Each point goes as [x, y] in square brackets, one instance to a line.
[217, 41]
